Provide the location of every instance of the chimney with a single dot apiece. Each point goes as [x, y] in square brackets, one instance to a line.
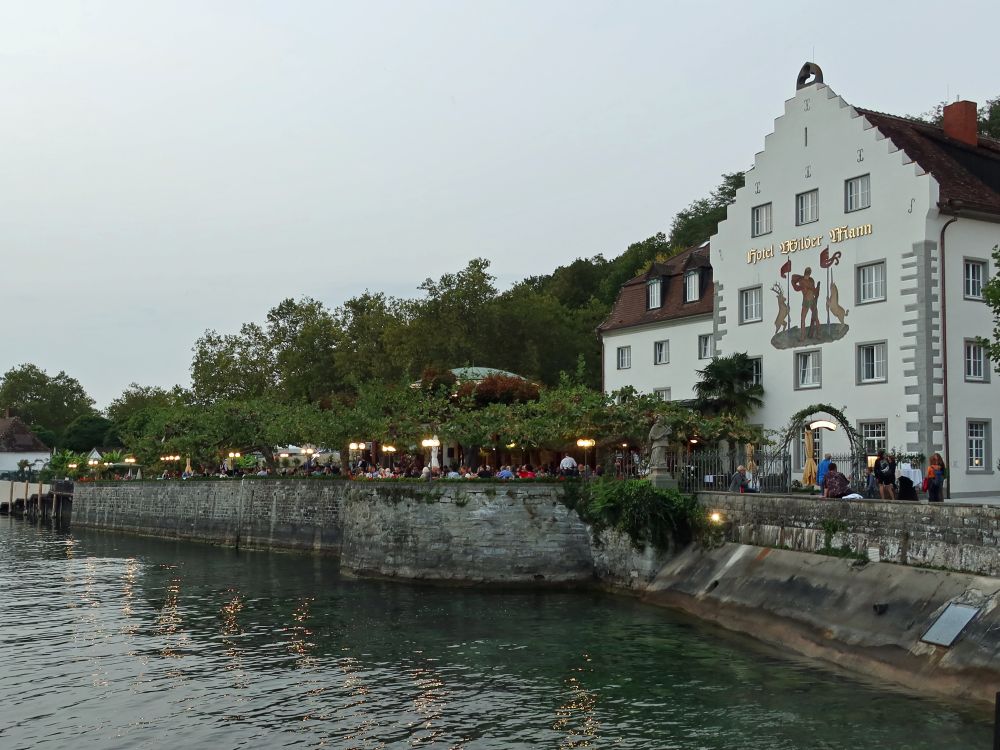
[961, 122]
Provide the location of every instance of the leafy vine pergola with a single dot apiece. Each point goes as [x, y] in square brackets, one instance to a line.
[799, 420]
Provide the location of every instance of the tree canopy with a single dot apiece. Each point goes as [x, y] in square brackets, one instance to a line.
[46, 401]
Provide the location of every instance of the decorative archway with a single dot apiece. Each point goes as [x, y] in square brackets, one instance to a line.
[798, 422]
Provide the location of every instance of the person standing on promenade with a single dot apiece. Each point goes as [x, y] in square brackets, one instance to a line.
[885, 474]
[935, 478]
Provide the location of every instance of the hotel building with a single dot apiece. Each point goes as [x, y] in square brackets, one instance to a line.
[851, 267]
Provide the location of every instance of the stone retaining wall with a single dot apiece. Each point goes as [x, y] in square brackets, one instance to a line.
[455, 532]
[287, 513]
[946, 535]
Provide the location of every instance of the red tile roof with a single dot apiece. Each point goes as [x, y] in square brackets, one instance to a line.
[630, 307]
[969, 176]
[15, 437]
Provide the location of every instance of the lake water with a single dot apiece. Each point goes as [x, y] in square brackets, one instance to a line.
[112, 641]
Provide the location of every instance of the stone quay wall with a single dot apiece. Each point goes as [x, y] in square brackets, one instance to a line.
[447, 532]
[287, 513]
[942, 535]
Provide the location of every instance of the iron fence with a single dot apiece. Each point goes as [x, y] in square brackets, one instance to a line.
[770, 469]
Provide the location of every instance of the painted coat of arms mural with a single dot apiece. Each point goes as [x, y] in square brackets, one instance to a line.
[811, 330]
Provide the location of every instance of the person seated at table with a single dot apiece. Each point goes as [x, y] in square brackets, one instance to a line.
[740, 481]
[835, 484]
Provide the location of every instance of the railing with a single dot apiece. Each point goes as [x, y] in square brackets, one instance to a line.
[769, 470]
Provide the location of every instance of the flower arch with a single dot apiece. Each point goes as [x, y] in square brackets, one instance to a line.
[798, 422]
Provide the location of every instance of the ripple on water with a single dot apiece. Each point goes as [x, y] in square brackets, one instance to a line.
[111, 641]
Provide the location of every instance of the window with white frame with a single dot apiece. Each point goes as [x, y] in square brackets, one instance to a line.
[817, 446]
[807, 370]
[757, 376]
[807, 207]
[871, 363]
[692, 286]
[653, 296]
[857, 193]
[760, 220]
[751, 305]
[661, 352]
[662, 393]
[977, 443]
[871, 282]
[624, 357]
[705, 346]
[874, 435]
[975, 361]
[975, 270]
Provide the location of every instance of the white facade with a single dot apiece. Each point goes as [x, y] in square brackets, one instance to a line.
[673, 379]
[876, 347]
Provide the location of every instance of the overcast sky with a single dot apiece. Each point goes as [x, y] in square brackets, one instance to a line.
[167, 167]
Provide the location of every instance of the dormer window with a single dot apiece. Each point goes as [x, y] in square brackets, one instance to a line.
[692, 286]
[654, 294]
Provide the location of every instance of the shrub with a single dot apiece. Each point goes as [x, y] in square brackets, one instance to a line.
[648, 515]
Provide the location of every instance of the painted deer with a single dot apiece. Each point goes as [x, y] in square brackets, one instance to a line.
[833, 304]
[780, 322]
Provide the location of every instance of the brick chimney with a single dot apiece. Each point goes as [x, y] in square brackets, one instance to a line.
[961, 122]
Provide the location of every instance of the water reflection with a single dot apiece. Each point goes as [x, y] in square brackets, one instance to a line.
[157, 643]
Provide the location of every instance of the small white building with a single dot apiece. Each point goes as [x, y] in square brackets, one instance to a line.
[851, 266]
[18, 443]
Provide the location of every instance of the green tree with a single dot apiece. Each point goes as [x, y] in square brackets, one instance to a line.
[726, 386]
[700, 220]
[51, 402]
[233, 366]
[291, 357]
[371, 332]
[90, 431]
[991, 293]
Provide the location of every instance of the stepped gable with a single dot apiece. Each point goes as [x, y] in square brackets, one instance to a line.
[15, 437]
[969, 176]
[630, 307]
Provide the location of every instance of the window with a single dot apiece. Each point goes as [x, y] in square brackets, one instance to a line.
[977, 446]
[624, 357]
[975, 361]
[705, 346]
[751, 305]
[653, 296]
[874, 436]
[692, 285]
[661, 352]
[871, 363]
[760, 220]
[807, 207]
[974, 272]
[871, 283]
[757, 378]
[662, 393]
[817, 447]
[857, 193]
[807, 370]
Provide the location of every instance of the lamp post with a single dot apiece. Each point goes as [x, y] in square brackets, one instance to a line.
[432, 443]
[586, 444]
[390, 449]
[233, 455]
[309, 453]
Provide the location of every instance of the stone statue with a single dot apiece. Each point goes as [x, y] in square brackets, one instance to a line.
[659, 438]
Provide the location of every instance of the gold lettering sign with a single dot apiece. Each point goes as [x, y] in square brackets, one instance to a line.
[837, 234]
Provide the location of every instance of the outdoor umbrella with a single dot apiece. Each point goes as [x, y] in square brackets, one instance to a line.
[751, 464]
[809, 472]
[187, 469]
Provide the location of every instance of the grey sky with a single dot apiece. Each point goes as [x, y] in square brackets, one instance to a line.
[167, 167]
